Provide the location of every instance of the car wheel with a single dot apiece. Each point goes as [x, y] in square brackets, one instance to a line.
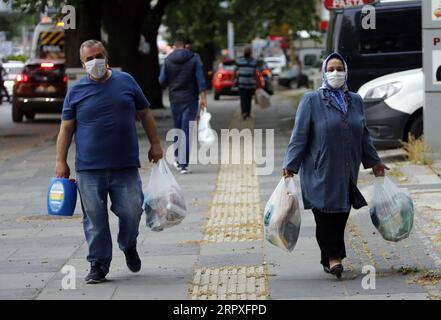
[292, 84]
[416, 127]
[30, 115]
[17, 115]
[216, 96]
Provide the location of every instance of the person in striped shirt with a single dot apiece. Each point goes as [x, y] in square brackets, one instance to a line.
[246, 78]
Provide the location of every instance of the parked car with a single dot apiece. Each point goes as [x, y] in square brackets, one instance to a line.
[276, 64]
[288, 77]
[39, 88]
[394, 45]
[223, 81]
[12, 69]
[393, 107]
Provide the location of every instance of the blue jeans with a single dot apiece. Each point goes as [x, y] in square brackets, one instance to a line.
[125, 190]
[183, 113]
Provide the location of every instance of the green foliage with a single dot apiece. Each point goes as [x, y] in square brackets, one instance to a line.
[17, 57]
[204, 21]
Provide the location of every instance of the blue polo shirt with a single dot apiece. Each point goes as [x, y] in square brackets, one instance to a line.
[105, 116]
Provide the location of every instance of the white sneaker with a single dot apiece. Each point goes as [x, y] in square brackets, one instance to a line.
[185, 170]
[176, 165]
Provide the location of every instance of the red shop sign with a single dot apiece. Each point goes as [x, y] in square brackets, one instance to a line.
[340, 4]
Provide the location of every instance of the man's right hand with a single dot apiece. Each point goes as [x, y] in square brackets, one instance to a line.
[286, 173]
[62, 170]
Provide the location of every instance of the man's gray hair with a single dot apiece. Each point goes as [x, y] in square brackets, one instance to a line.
[91, 43]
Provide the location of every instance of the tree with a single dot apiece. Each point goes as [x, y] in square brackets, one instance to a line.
[125, 26]
[205, 22]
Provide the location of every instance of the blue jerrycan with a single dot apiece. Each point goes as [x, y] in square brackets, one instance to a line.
[61, 197]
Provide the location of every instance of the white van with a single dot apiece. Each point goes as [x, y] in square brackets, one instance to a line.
[48, 41]
[393, 105]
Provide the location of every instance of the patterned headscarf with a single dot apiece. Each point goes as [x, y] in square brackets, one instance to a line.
[338, 95]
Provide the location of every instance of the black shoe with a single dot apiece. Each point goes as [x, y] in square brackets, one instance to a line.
[96, 275]
[326, 269]
[337, 270]
[132, 259]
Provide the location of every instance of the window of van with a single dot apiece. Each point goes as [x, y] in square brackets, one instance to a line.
[396, 31]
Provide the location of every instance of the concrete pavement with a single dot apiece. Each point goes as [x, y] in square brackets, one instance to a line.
[219, 251]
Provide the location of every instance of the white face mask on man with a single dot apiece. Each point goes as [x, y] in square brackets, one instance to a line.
[336, 79]
[96, 68]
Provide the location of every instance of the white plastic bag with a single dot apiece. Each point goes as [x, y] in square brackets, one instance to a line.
[263, 98]
[282, 217]
[164, 203]
[205, 133]
[392, 210]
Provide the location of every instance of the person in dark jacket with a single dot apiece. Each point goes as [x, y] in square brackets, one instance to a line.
[2, 85]
[438, 74]
[183, 74]
[328, 143]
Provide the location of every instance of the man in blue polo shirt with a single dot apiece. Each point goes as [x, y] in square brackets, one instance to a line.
[100, 110]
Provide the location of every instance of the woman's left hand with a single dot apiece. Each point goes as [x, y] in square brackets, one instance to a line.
[378, 170]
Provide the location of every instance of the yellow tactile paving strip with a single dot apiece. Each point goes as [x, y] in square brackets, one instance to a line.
[230, 283]
[235, 215]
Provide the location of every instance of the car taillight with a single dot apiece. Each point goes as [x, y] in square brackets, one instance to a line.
[22, 78]
[65, 79]
[47, 65]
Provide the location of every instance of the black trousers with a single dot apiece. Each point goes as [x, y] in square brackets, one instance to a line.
[246, 98]
[3, 90]
[330, 233]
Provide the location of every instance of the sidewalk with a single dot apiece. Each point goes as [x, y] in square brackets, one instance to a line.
[219, 251]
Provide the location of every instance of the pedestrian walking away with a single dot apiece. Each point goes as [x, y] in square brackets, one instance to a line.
[182, 73]
[100, 110]
[2, 85]
[246, 77]
[328, 143]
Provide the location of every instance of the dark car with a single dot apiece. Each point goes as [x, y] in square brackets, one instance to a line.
[394, 45]
[40, 88]
[264, 73]
[288, 78]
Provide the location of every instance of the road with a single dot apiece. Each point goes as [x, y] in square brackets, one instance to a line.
[16, 138]
[219, 250]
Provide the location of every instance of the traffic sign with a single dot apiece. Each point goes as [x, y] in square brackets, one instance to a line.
[341, 4]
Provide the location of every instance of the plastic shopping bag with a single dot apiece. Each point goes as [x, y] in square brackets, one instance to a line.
[205, 133]
[282, 217]
[392, 211]
[164, 203]
[263, 98]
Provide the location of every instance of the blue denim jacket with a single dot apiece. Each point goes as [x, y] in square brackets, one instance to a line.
[327, 147]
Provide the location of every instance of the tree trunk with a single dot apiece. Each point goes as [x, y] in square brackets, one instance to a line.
[88, 27]
[124, 26]
[208, 56]
[151, 65]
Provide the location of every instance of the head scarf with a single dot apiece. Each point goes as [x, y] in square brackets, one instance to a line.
[339, 96]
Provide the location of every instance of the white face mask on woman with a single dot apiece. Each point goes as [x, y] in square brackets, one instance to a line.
[96, 68]
[336, 79]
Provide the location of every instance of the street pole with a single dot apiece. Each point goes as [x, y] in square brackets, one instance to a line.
[432, 64]
[231, 39]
